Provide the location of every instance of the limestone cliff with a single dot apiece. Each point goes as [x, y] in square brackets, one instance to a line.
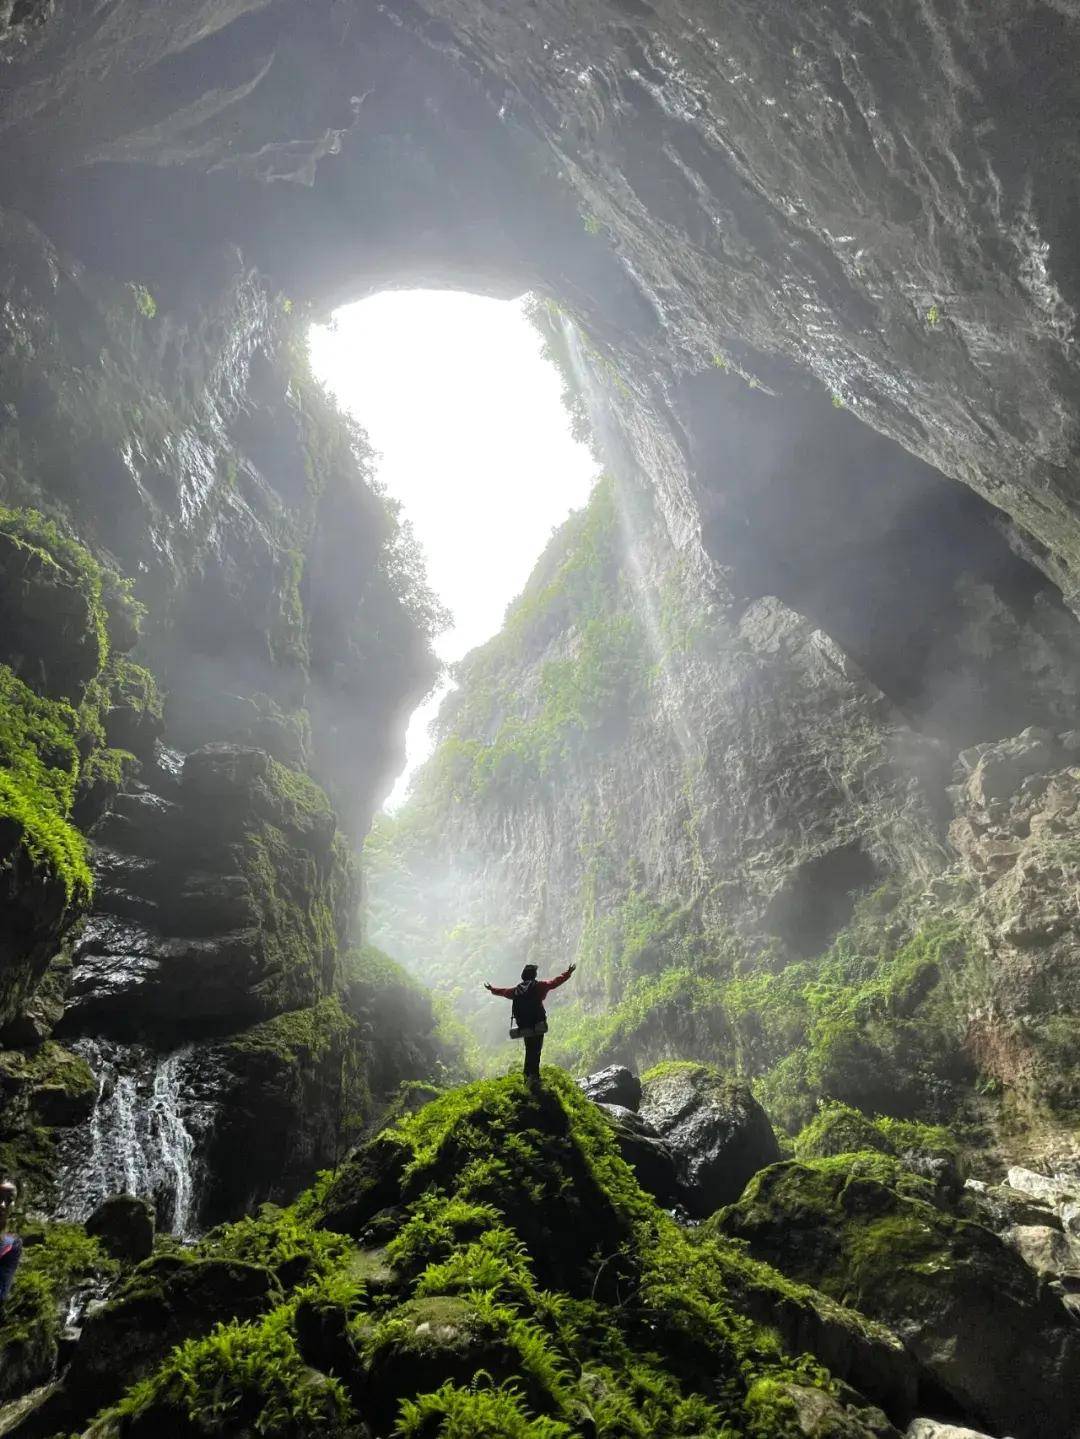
[742, 841]
[780, 739]
[280, 635]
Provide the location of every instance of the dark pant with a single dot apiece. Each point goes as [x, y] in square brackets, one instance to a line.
[533, 1046]
[9, 1262]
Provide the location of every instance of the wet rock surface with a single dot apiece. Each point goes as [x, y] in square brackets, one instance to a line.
[719, 1134]
[614, 1085]
[124, 1224]
[652, 1160]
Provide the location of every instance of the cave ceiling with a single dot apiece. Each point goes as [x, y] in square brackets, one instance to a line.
[866, 215]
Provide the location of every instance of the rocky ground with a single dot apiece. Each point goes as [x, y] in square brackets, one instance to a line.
[489, 1264]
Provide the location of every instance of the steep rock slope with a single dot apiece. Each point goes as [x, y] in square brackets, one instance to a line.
[431, 1288]
[742, 840]
[196, 955]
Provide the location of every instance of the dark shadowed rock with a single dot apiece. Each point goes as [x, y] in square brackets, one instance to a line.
[646, 1153]
[718, 1132]
[125, 1225]
[614, 1085]
[166, 1300]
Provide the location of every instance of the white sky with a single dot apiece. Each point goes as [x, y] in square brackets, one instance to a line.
[475, 443]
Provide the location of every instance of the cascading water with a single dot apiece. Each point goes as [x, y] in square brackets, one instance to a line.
[144, 1136]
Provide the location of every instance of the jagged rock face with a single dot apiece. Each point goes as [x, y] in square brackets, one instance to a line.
[220, 902]
[884, 204]
[630, 762]
[1015, 832]
[850, 1228]
[757, 191]
[193, 451]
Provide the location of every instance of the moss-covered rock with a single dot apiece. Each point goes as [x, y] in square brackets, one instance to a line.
[55, 1086]
[166, 1300]
[124, 1224]
[240, 1381]
[516, 1198]
[58, 1260]
[67, 621]
[839, 1129]
[523, 1286]
[862, 1229]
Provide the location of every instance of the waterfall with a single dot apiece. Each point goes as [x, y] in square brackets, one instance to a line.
[144, 1135]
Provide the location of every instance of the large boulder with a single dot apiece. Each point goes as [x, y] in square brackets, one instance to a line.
[718, 1132]
[124, 1223]
[1001, 1207]
[862, 1229]
[165, 1301]
[614, 1085]
[1047, 1250]
[646, 1153]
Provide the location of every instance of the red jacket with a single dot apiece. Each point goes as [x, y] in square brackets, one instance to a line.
[545, 986]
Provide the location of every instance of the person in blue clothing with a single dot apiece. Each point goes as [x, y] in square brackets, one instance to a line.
[530, 1018]
[10, 1244]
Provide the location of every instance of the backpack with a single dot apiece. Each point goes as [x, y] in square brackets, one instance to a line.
[527, 1010]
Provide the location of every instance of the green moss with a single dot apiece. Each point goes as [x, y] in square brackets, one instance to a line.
[288, 633]
[145, 303]
[303, 804]
[47, 746]
[868, 1026]
[56, 1259]
[298, 1037]
[69, 563]
[839, 1129]
[302, 877]
[518, 1196]
[133, 687]
[279, 1239]
[241, 1377]
[110, 767]
[37, 784]
[453, 1412]
[909, 1134]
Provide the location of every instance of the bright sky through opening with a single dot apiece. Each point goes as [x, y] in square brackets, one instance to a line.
[474, 441]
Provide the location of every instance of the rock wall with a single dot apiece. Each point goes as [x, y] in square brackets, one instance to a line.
[744, 843]
[767, 224]
[222, 780]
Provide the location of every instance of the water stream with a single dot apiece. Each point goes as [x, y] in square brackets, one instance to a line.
[144, 1137]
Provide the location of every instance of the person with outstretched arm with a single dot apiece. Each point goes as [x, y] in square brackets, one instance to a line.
[10, 1244]
[529, 1016]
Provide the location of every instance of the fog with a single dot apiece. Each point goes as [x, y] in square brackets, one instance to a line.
[474, 442]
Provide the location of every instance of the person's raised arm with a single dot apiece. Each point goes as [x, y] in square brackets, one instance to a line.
[550, 984]
[502, 993]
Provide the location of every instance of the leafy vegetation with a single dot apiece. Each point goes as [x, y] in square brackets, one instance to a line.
[50, 746]
[240, 1377]
[57, 1258]
[530, 1259]
[41, 767]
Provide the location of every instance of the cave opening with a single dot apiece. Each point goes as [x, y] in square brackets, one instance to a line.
[473, 442]
[917, 578]
[818, 897]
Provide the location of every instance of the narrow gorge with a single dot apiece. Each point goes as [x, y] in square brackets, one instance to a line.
[779, 745]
